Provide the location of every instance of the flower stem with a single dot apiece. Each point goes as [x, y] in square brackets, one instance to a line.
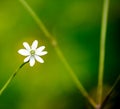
[11, 77]
[59, 52]
[102, 50]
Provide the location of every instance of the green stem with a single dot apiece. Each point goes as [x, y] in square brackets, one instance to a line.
[59, 52]
[102, 49]
[74, 78]
[36, 18]
[115, 85]
[11, 78]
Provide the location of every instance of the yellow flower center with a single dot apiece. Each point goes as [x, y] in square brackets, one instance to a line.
[32, 52]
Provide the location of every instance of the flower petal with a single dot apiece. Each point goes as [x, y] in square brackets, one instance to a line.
[32, 61]
[34, 45]
[27, 59]
[23, 52]
[26, 45]
[39, 59]
[39, 50]
[43, 53]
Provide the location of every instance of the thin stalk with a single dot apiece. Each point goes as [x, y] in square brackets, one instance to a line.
[59, 52]
[115, 85]
[11, 78]
[102, 50]
[74, 78]
[36, 18]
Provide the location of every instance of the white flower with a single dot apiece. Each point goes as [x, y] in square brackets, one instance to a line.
[32, 52]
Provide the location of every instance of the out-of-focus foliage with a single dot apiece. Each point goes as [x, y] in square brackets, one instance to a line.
[76, 25]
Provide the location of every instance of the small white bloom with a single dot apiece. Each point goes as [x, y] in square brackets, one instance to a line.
[32, 52]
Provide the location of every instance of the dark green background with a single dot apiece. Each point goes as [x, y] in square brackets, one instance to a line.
[76, 25]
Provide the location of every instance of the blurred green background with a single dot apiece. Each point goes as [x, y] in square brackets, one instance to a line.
[76, 25]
